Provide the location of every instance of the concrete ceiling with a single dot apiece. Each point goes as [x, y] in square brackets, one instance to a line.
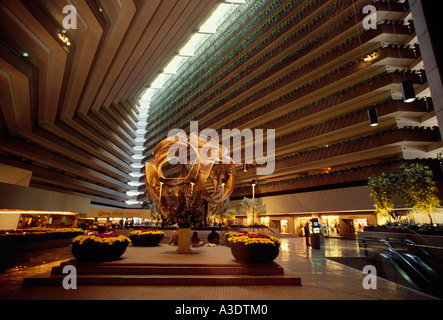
[69, 113]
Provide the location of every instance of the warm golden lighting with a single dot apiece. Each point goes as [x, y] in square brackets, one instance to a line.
[371, 56]
[38, 212]
[64, 38]
[213, 177]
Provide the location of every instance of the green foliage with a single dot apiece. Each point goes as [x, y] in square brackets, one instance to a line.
[383, 189]
[187, 210]
[252, 208]
[414, 184]
[227, 214]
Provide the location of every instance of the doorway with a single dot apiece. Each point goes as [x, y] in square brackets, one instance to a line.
[347, 229]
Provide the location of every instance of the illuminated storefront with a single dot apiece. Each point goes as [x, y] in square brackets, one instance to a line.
[21, 219]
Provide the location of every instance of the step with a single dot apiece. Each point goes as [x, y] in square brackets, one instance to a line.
[139, 274]
[165, 281]
[166, 269]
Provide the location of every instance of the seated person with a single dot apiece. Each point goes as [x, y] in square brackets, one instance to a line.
[214, 237]
[195, 240]
[174, 238]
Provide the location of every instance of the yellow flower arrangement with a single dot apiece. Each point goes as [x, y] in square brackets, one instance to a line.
[146, 238]
[147, 232]
[253, 248]
[248, 238]
[99, 247]
[41, 230]
[101, 239]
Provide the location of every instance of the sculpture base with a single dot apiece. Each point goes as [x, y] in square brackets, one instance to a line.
[184, 241]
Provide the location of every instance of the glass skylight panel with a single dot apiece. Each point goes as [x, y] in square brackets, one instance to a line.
[136, 175]
[133, 202]
[134, 193]
[236, 1]
[160, 81]
[136, 184]
[215, 20]
[193, 44]
[175, 64]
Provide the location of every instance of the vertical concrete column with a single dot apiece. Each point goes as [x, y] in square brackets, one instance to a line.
[421, 14]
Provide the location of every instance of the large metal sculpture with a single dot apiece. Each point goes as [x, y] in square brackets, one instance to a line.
[205, 167]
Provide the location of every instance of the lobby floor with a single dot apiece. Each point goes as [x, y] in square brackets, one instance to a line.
[321, 278]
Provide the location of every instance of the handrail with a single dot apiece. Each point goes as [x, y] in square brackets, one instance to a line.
[394, 251]
[422, 248]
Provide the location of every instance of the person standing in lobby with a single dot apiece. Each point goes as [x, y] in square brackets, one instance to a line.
[307, 233]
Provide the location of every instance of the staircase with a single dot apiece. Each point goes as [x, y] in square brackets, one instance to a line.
[109, 274]
[169, 270]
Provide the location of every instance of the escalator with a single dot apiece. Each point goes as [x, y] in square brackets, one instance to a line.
[404, 262]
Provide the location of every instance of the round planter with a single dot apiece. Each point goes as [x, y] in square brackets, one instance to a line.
[146, 240]
[98, 251]
[255, 253]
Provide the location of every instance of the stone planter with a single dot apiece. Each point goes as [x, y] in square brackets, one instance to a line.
[146, 240]
[95, 248]
[98, 251]
[255, 253]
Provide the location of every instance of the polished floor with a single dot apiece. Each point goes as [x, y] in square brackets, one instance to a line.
[322, 279]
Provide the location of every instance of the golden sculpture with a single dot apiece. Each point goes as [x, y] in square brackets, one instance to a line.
[204, 165]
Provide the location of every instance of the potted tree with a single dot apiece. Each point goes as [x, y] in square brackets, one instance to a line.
[417, 187]
[414, 184]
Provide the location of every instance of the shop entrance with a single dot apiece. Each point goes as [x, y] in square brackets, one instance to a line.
[347, 228]
[284, 226]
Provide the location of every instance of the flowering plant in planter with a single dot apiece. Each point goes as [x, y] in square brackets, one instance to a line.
[187, 211]
[253, 248]
[146, 238]
[99, 247]
[230, 234]
[246, 239]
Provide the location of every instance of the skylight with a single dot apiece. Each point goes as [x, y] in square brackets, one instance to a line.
[206, 30]
[193, 44]
[174, 65]
[160, 81]
[215, 20]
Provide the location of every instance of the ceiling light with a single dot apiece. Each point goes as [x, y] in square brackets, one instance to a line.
[371, 56]
[64, 38]
[407, 89]
[373, 117]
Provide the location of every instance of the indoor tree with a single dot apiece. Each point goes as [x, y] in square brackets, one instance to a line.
[252, 209]
[417, 187]
[414, 184]
[383, 190]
